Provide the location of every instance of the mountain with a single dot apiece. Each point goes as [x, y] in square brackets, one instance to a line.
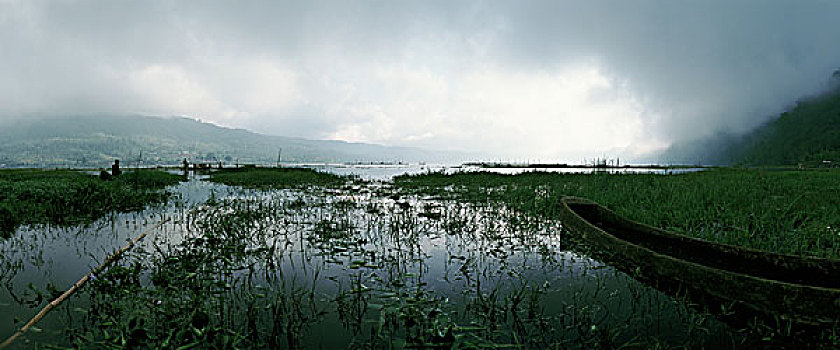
[713, 150]
[808, 134]
[95, 141]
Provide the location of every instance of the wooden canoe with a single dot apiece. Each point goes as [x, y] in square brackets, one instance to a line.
[803, 290]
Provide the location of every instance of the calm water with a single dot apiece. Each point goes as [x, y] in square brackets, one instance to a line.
[388, 172]
[361, 264]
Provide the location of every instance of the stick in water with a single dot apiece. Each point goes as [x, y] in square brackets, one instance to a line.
[110, 259]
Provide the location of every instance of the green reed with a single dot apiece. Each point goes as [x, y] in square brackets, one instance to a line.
[63, 197]
[352, 268]
[795, 212]
[266, 178]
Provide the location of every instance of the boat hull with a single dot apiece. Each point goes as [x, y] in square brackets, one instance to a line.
[772, 285]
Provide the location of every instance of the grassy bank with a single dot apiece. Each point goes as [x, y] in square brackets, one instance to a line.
[64, 197]
[265, 178]
[795, 212]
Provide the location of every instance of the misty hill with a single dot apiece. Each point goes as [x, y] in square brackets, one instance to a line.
[714, 150]
[83, 141]
[807, 134]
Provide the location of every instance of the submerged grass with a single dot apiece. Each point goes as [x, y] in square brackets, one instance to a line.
[374, 267]
[275, 178]
[794, 212]
[65, 197]
[320, 268]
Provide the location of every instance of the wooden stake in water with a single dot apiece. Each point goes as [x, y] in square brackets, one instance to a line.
[110, 259]
[279, 158]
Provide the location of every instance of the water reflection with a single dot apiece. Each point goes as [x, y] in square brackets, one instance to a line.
[364, 266]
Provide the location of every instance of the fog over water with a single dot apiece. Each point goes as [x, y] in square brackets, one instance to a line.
[549, 80]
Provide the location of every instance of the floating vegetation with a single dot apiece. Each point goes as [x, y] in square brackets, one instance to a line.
[366, 266]
[262, 270]
[32, 196]
[265, 178]
[785, 211]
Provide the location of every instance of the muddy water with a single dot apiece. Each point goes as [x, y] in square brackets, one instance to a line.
[361, 266]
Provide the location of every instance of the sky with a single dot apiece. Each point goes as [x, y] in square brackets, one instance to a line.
[520, 80]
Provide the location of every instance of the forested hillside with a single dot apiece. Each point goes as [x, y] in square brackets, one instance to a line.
[808, 134]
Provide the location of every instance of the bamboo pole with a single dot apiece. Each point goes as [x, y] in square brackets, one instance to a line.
[110, 259]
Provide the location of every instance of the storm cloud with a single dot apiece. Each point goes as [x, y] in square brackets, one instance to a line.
[549, 80]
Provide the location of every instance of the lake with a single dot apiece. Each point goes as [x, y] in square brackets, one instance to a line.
[363, 266]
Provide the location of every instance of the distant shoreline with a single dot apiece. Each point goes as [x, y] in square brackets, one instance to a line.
[579, 166]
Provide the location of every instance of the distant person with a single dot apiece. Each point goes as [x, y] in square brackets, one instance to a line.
[186, 166]
[115, 169]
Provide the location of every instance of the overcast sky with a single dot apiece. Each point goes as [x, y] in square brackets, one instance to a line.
[549, 80]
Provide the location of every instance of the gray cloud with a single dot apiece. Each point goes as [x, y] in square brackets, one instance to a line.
[540, 79]
[704, 65]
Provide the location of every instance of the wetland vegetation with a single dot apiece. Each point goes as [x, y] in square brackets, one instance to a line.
[786, 211]
[274, 178]
[64, 197]
[290, 258]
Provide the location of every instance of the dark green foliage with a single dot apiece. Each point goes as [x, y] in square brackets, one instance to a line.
[264, 178]
[808, 135]
[127, 315]
[67, 197]
[795, 212]
[8, 219]
[191, 286]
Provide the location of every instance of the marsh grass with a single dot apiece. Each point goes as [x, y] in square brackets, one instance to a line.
[473, 262]
[374, 269]
[793, 212]
[64, 197]
[275, 178]
[785, 211]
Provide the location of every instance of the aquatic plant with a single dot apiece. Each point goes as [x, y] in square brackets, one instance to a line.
[443, 266]
[64, 197]
[786, 211]
[265, 178]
